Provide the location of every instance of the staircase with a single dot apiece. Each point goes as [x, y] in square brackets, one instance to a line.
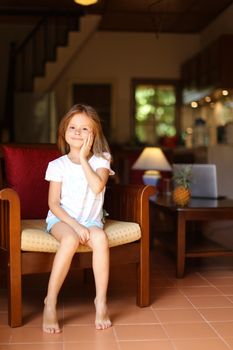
[76, 41]
[40, 46]
[38, 62]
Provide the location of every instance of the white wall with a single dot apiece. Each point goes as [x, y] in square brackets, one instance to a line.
[117, 58]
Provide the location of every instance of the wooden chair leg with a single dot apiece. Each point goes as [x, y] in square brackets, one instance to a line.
[12, 230]
[14, 298]
[143, 288]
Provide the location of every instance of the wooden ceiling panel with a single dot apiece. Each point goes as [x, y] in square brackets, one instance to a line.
[189, 23]
[128, 22]
[127, 6]
[212, 6]
[168, 16]
[167, 6]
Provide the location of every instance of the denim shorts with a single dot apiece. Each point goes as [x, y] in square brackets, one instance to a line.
[53, 220]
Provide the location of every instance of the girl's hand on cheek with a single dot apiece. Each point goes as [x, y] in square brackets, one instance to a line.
[86, 147]
[90, 139]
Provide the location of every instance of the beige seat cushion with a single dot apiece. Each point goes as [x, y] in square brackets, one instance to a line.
[35, 238]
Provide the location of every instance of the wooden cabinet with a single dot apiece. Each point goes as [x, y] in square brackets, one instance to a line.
[211, 67]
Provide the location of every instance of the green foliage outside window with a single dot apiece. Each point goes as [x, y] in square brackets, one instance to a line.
[154, 112]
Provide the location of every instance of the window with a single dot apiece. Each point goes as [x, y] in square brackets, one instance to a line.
[154, 110]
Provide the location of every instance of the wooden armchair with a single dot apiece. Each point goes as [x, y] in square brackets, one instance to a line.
[26, 249]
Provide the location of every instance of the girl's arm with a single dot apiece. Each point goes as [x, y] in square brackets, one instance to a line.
[60, 213]
[96, 179]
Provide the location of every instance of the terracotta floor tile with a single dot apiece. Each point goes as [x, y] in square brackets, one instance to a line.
[210, 301]
[5, 334]
[47, 346]
[146, 345]
[139, 332]
[121, 303]
[131, 315]
[120, 311]
[217, 314]
[225, 329]
[229, 341]
[78, 313]
[216, 273]
[35, 317]
[205, 290]
[171, 302]
[156, 293]
[3, 319]
[192, 280]
[189, 330]
[108, 345]
[33, 335]
[3, 303]
[72, 318]
[221, 281]
[162, 282]
[181, 315]
[87, 333]
[194, 344]
[226, 290]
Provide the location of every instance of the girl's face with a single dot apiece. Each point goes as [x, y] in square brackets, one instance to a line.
[79, 128]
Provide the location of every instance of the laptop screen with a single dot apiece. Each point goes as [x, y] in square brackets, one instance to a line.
[204, 180]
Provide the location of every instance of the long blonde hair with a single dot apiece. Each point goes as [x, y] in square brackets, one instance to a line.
[100, 144]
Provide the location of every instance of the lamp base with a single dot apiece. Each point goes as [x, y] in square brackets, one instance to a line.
[151, 177]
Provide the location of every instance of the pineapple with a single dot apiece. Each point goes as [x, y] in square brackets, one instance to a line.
[182, 180]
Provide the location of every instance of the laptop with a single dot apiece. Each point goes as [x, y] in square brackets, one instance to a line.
[204, 180]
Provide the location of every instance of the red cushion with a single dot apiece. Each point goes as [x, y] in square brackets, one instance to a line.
[25, 172]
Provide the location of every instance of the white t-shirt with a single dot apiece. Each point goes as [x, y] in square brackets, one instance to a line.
[77, 198]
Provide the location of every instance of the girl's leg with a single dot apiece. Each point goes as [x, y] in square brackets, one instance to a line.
[69, 242]
[99, 244]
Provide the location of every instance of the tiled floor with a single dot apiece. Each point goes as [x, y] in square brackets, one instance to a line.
[191, 313]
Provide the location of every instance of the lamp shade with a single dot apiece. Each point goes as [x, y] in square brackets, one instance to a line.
[85, 2]
[152, 158]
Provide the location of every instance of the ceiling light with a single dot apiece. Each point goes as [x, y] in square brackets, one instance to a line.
[85, 2]
[207, 99]
[224, 92]
[194, 104]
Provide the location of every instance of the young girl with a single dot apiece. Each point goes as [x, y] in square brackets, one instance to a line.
[76, 195]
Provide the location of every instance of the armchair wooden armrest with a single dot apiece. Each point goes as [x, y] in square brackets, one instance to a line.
[128, 202]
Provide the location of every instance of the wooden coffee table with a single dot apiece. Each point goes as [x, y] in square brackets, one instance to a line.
[196, 210]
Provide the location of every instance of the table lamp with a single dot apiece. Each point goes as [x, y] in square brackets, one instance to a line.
[152, 160]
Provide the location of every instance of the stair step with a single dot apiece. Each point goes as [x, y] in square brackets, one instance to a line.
[41, 47]
[76, 40]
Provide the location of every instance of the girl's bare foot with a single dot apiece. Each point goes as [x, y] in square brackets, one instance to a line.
[50, 323]
[102, 320]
